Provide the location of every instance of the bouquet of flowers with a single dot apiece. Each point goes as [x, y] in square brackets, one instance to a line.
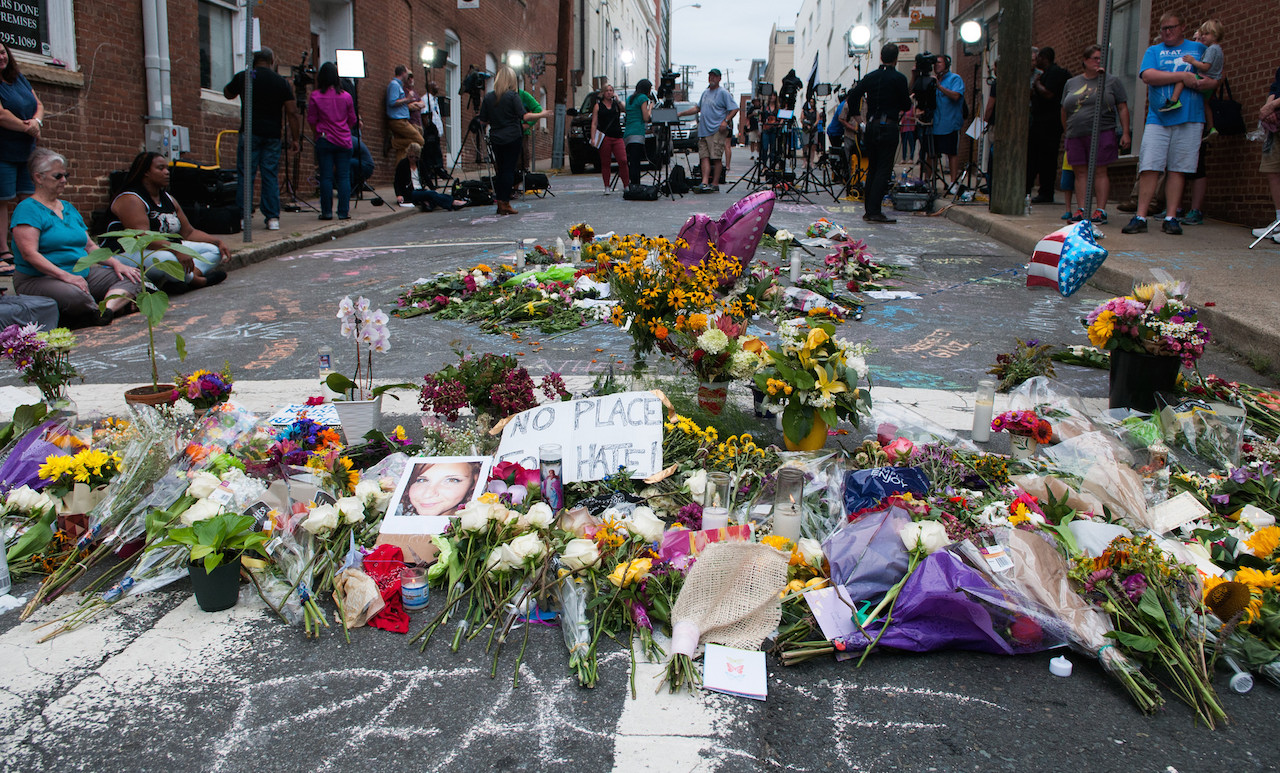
[817, 373]
[718, 349]
[1155, 319]
[204, 388]
[492, 384]
[582, 232]
[852, 263]
[44, 358]
[1027, 360]
[1024, 423]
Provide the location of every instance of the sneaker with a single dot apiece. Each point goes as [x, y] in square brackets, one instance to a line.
[1066, 215]
[1136, 226]
[1078, 216]
[1274, 225]
[1169, 104]
[273, 224]
[713, 189]
[1099, 216]
[1194, 217]
[1171, 226]
[608, 192]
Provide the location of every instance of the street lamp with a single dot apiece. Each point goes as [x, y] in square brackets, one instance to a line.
[626, 56]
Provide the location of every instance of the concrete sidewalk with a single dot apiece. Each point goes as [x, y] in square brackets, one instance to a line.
[1234, 286]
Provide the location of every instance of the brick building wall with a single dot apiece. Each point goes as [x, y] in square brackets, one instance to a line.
[1237, 192]
[96, 116]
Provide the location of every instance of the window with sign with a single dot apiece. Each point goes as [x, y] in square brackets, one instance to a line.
[217, 31]
[24, 26]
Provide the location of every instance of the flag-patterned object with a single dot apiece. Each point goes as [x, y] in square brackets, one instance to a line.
[1065, 259]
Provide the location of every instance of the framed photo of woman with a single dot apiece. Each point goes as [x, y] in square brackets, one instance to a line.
[432, 490]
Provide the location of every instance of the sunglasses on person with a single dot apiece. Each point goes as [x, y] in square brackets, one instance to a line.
[60, 175]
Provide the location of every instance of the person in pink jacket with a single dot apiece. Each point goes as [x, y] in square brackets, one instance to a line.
[332, 115]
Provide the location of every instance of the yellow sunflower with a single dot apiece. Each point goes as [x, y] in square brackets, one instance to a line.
[1263, 542]
[1102, 328]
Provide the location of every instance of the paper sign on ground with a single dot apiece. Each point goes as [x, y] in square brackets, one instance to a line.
[1175, 512]
[324, 414]
[597, 435]
[735, 672]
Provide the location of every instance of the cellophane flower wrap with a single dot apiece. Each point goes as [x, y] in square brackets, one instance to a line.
[1155, 319]
[817, 374]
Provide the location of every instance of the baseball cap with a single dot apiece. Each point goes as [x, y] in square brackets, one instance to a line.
[714, 72]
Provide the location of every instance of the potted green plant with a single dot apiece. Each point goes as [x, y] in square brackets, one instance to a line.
[216, 545]
[361, 406]
[136, 249]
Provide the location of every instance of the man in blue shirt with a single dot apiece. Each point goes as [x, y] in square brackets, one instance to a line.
[715, 110]
[399, 103]
[948, 115]
[1171, 139]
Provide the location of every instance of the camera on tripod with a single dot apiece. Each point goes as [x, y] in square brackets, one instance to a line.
[924, 86]
[667, 86]
[473, 86]
[302, 75]
[790, 87]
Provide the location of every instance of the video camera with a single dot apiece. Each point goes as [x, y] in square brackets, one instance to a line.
[924, 86]
[667, 86]
[473, 86]
[302, 75]
[790, 87]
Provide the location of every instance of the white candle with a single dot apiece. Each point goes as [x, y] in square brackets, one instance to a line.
[795, 266]
[715, 517]
[786, 521]
[983, 405]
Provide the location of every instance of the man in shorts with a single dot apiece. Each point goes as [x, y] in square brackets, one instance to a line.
[1171, 141]
[947, 117]
[715, 110]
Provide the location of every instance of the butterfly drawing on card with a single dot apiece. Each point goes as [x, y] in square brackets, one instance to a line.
[734, 667]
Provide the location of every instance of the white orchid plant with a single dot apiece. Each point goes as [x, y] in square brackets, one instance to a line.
[369, 332]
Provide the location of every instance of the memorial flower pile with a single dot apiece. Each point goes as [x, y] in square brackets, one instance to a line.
[717, 348]
[1155, 319]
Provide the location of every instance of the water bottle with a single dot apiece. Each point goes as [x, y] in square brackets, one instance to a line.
[1028, 212]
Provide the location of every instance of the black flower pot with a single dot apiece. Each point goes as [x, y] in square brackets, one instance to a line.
[219, 589]
[1136, 377]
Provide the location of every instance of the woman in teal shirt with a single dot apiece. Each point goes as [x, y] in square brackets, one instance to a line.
[50, 237]
[639, 106]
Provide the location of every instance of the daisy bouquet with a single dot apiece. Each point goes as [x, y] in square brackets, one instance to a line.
[1154, 319]
[43, 357]
[1024, 423]
[817, 374]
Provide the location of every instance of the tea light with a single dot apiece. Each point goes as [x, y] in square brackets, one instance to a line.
[413, 588]
[1060, 666]
[786, 521]
[715, 517]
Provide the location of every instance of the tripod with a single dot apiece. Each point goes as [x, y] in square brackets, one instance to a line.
[355, 136]
[484, 153]
[971, 171]
[662, 119]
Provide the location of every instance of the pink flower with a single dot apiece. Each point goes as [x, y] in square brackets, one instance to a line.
[900, 450]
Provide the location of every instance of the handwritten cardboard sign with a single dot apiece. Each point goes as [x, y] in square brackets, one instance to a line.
[597, 435]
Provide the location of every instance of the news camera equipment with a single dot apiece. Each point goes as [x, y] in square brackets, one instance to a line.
[819, 176]
[301, 76]
[791, 85]
[822, 89]
[764, 88]
[662, 119]
[473, 86]
[667, 86]
[924, 89]
[484, 153]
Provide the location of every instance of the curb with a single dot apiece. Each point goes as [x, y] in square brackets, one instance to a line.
[1230, 332]
[255, 253]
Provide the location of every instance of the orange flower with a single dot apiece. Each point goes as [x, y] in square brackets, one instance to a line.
[754, 345]
[698, 322]
[661, 332]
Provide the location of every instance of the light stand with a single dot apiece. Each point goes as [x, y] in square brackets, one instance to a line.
[971, 33]
[859, 38]
[350, 63]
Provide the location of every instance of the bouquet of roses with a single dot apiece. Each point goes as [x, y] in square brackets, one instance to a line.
[204, 388]
[1024, 423]
[1155, 319]
[718, 349]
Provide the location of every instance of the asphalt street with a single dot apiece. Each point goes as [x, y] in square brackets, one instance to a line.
[157, 685]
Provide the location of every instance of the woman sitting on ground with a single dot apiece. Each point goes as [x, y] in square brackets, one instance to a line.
[144, 204]
[410, 189]
[50, 237]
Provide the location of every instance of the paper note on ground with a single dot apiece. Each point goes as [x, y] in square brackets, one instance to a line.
[735, 672]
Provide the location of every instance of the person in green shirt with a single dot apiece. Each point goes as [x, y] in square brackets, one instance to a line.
[531, 105]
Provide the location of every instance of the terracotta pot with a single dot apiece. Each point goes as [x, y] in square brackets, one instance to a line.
[817, 437]
[149, 395]
[711, 396]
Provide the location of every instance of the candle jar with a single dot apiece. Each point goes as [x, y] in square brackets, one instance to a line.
[984, 401]
[551, 474]
[413, 588]
[716, 500]
[788, 502]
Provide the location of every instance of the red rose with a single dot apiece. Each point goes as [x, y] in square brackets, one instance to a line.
[1026, 631]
